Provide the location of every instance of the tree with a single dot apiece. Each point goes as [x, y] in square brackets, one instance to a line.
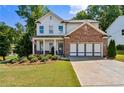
[19, 31]
[109, 15]
[9, 31]
[30, 13]
[112, 49]
[82, 15]
[4, 45]
[105, 14]
[24, 45]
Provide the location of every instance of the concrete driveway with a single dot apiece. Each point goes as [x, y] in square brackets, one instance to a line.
[99, 72]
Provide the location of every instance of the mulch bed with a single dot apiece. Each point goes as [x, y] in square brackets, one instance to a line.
[31, 63]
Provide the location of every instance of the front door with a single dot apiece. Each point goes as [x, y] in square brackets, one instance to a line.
[50, 47]
[60, 48]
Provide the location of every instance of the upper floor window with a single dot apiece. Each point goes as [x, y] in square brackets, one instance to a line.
[50, 17]
[41, 28]
[122, 32]
[60, 28]
[51, 29]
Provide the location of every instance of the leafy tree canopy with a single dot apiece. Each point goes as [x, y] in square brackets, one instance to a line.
[105, 14]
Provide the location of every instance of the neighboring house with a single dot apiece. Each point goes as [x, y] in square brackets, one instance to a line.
[116, 31]
[69, 37]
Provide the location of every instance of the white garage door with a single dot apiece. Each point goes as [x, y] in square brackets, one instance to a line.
[83, 49]
[97, 49]
[73, 49]
[89, 49]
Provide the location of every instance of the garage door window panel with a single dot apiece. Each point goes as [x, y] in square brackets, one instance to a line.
[89, 50]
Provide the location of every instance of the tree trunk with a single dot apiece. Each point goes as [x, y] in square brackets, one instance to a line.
[3, 57]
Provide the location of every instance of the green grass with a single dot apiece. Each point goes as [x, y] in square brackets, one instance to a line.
[120, 55]
[120, 58]
[120, 52]
[43, 75]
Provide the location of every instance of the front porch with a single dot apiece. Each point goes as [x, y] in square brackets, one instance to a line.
[48, 45]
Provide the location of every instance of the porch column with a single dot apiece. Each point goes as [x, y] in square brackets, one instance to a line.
[55, 46]
[43, 46]
[33, 46]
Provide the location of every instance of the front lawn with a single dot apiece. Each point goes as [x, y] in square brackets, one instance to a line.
[42, 75]
[120, 55]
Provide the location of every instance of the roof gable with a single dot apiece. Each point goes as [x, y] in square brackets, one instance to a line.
[48, 15]
[89, 24]
[118, 20]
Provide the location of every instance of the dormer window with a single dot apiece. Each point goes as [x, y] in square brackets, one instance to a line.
[41, 29]
[50, 17]
[51, 29]
[122, 32]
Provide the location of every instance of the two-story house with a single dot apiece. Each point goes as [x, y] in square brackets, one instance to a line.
[116, 31]
[69, 37]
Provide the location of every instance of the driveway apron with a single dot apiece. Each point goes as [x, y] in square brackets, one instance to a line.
[99, 72]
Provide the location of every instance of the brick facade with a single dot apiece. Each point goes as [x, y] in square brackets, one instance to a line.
[86, 34]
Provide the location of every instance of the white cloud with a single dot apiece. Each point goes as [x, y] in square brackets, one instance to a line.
[76, 8]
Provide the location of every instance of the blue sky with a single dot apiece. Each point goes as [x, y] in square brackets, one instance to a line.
[9, 16]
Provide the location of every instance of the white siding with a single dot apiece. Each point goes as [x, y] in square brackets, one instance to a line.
[55, 22]
[95, 24]
[46, 22]
[115, 29]
[72, 26]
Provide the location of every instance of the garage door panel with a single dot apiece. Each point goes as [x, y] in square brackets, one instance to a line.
[72, 54]
[81, 54]
[72, 49]
[81, 50]
[96, 47]
[97, 54]
[89, 49]
[89, 54]
[97, 50]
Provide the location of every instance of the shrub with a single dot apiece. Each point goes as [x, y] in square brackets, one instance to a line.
[112, 49]
[54, 57]
[37, 55]
[120, 47]
[4, 61]
[31, 57]
[44, 59]
[41, 56]
[13, 60]
[23, 59]
[35, 59]
[49, 56]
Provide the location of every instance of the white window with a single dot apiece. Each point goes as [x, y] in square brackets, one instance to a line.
[122, 32]
[60, 28]
[50, 17]
[41, 29]
[50, 29]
